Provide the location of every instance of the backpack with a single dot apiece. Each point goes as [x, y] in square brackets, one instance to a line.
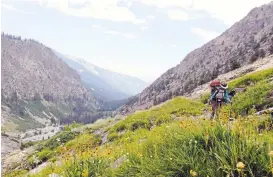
[215, 83]
[220, 91]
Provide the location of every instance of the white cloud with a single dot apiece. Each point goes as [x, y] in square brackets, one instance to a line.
[144, 28]
[228, 11]
[116, 33]
[12, 8]
[173, 46]
[167, 3]
[112, 32]
[178, 15]
[129, 35]
[76, 1]
[140, 21]
[204, 34]
[97, 26]
[103, 9]
[151, 17]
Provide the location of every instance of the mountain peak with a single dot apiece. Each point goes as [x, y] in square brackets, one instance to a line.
[104, 83]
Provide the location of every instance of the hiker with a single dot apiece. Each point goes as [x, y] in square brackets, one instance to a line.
[219, 95]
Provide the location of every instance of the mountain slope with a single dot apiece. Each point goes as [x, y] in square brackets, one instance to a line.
[246, 41]
[38, 88]
[166, 140]
[104, 84]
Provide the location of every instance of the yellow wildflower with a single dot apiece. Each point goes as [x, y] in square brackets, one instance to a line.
[85, 173]
[240, 165]
[193, 173]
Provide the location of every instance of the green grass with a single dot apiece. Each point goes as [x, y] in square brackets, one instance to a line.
[177, 152]
[112, 136]
[254, 96]
[251, 79]
[205, 97]
[174, 149]
[84, 140]
[25, 110]
[9, 126]
[25, 124]
[156, 116]
[86, 167]
[174, 139]
[16, 173]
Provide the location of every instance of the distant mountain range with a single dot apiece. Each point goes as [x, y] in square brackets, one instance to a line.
[38, 88]
[104, 84]
[41, 87]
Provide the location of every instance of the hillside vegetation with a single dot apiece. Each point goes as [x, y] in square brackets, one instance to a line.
[175, 139]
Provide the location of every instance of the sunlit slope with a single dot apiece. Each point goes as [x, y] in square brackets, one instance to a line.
[175, 139]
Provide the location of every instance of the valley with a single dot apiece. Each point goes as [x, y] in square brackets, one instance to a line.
[120, 146]
[63, 116]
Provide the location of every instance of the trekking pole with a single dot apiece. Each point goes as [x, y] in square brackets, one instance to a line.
[230, 117]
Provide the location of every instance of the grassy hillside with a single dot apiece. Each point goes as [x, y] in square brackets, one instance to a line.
[175, 139]
[31, 114]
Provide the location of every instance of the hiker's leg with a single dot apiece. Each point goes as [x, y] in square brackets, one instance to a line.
[218, 105]
[213, 106]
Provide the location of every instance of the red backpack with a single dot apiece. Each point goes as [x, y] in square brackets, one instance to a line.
[215, 83]
[216, 87]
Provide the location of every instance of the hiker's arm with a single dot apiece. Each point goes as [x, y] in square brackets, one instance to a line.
[212, 96]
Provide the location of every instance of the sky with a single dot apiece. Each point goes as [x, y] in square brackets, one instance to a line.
[141, 38]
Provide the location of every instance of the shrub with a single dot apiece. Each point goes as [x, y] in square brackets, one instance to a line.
[254, 95]
[112, 136]
[120, 127]
[60, 138]
[140, 124]
[204, 98]
[26, 145]
[44, 155]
